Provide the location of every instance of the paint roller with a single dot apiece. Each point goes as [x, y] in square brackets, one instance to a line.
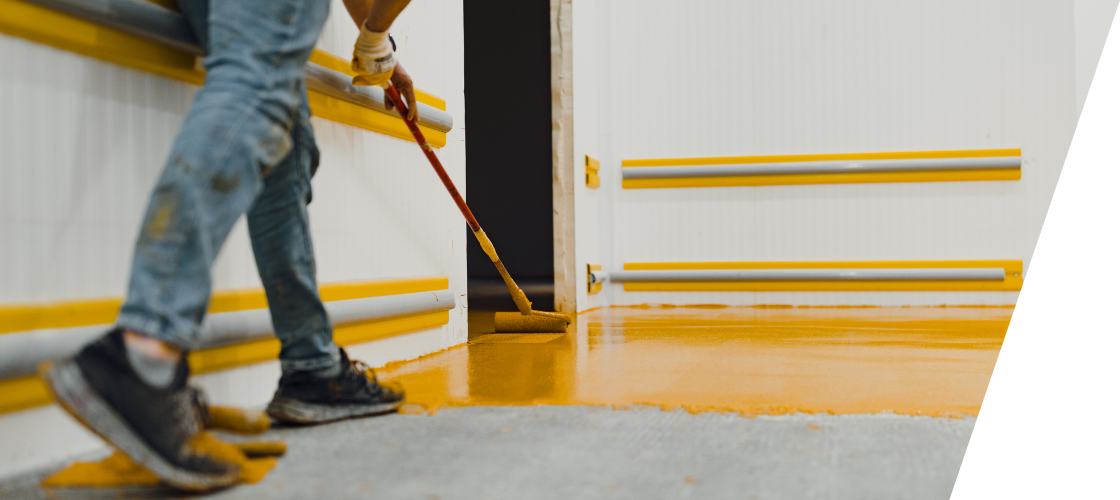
[526, 320]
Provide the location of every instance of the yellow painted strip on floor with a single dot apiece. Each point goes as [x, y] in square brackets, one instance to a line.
[28, 392]
[895, 155]
[995, 174]
[46, 26]
[102, 311]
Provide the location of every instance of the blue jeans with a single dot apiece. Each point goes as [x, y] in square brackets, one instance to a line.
[246, 147]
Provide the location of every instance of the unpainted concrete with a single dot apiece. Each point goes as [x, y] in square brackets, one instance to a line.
[573, 452]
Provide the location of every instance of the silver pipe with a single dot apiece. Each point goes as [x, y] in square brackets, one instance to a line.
[169, 28]
[598, 276]
[21, 352]
[962, 274]
[336, 84]
[822, 167]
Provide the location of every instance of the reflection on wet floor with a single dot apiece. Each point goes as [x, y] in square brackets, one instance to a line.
[915, 361]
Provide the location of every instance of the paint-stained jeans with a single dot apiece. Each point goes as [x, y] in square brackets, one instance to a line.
[246, 147]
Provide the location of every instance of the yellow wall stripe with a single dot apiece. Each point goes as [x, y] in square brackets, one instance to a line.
[1013, 282]
[1011, 267]
[995, 174]
[101, 311]
[331, 61]
[348, 113]
[1009, 284]
[28, 392]
[43, 25]
[232, 356]
[66, 32]
[23, 393]
[893, 155]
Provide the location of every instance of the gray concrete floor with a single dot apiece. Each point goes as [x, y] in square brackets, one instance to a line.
[545, 452]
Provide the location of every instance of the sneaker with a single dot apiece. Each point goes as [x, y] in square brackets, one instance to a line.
[307, 398]
[159, 429]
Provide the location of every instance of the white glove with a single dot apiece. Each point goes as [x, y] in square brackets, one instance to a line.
[373, 58]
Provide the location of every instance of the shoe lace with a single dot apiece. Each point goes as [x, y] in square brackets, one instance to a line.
[201, 406]
[364, 369]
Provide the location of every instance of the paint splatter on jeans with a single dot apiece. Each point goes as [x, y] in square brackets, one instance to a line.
[246, 147]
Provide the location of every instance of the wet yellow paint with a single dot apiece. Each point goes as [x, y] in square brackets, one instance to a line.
[914, 361]
[255, 458]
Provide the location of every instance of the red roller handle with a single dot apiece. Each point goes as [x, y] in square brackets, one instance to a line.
[398, 104]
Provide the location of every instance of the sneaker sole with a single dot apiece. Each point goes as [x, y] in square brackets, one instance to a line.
[294, 411]
[82, 402]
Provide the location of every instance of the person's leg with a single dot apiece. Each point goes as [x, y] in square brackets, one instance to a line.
[279, 229]
[239, 128]
[319, 383]
[130, 385]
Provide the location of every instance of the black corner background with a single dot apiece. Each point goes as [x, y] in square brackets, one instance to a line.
[509, 141]
[1044, 423]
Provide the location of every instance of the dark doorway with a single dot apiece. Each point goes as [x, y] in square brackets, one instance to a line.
[509, 148]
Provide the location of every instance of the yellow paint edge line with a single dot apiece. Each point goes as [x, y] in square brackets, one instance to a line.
[994, 174]
[103, 311]
[62, 31]
[893, 155]
[30, 391]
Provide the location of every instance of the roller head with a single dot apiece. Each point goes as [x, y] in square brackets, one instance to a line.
[513, 322]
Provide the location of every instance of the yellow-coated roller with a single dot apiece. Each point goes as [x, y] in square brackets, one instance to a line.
[514, 322]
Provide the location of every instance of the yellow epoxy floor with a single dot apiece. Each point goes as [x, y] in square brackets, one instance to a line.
[914, 361]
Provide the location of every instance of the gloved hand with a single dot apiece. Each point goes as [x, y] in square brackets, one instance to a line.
[373, 58]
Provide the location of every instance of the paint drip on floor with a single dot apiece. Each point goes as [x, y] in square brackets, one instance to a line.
[119, 470]
[256, 458]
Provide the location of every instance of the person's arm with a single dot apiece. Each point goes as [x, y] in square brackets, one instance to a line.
[377, 14]
[374, 60]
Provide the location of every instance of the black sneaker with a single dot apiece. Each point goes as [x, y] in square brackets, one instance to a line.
[305, 398]
[153, 426]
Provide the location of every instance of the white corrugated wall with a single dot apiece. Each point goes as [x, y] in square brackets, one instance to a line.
[82, 142]
[737, 78]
